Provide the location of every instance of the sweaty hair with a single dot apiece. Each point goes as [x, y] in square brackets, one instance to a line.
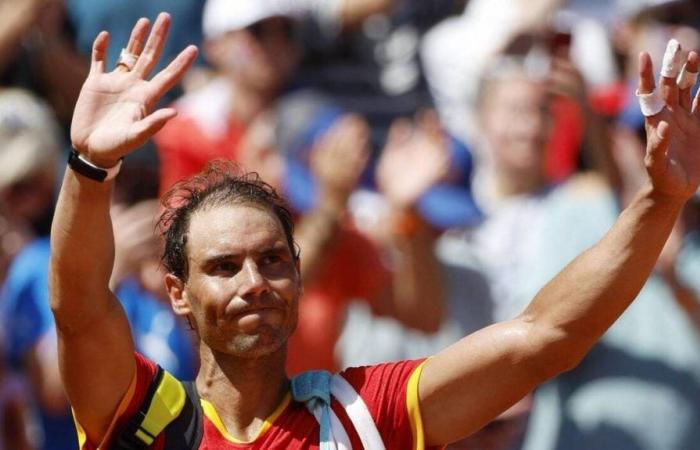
[220, 183]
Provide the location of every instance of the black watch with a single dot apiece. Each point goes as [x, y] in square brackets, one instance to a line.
[90, 170]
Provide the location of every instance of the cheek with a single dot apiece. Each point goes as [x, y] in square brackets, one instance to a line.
[209, 298]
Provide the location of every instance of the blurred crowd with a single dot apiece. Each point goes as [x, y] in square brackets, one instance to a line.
[443, 160]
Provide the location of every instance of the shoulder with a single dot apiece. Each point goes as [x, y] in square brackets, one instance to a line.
[383, 382]
[390, 392]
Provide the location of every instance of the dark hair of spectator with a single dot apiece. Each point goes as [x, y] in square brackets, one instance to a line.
[220, 183]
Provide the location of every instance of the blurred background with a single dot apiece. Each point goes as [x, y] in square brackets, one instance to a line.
[443, 160]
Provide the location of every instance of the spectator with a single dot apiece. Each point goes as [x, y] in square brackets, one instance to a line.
[251, 46]
[29, 152]
[366, 57]
[37, 53]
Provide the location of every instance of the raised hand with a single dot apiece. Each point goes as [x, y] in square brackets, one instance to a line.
[114, 113]
[672, 124]
[414, 159]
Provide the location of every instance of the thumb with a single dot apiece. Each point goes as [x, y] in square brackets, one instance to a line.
[142, 130]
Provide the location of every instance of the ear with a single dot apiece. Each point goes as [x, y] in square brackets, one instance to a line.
[300, 285]
[178, 298]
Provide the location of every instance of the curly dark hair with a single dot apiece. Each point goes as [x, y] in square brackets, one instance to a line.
[220, 183]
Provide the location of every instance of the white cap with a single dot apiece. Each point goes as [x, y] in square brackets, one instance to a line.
[29, 136]
[222, 16]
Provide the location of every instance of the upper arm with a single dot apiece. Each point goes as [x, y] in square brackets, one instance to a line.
[389, 395]
[96, 358]
[471, 382]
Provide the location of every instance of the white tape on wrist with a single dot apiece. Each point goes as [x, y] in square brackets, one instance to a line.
[686, 79]
[651, 104]
[672, 59]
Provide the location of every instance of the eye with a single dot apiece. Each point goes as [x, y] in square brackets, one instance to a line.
[271, 258]
[225, 267]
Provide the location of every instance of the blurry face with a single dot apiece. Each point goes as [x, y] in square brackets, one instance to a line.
[516, 122]
[259, 152]
[262, 56]
[28, 199]
[243, 286]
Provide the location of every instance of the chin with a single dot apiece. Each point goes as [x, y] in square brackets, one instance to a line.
[251, 346]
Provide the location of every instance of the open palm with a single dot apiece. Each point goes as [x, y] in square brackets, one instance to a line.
[673, 134]
[113, 115]
[414, 159]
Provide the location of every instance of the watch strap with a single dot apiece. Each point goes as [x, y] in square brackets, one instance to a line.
[87, 169]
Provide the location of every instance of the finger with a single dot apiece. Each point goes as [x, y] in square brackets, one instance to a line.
[658, 137]
[399, 132]
[154, 46]
[687, 79]
[134, 46]
[142, 130]
[646, 75]
[696, 101]
[138, 36]
[168, 77]
[650, 101]
[670, 67]
[99, 52]
[429, 122]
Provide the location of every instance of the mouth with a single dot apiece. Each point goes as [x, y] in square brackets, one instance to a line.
[259, 310]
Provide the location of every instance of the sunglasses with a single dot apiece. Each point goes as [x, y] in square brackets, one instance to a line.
[277, 25]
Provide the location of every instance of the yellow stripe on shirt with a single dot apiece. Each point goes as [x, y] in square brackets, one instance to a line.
[413, 406]
[213, 416]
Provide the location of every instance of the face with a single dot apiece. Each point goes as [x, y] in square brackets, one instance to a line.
[516, 124]
[243, 283]
[262, 56]
[259, 152]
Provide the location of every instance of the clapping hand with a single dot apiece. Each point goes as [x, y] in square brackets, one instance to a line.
[672, 124]
[114, 112]
[339, 157]
[414, 159]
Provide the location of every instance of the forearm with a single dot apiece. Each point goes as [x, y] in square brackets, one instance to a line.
[315, 233]
[582, 301]
[82, 250]
[418, 293]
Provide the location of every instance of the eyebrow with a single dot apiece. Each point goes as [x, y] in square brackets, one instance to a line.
[275, 247]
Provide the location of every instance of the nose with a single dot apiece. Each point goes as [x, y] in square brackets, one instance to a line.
[252, 281]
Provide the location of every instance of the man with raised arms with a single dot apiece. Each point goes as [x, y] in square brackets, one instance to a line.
[234, 273]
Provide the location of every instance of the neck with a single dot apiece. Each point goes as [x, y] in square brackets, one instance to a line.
[511, 184]
[244, 391]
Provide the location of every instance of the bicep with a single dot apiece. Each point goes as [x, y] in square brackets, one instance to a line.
[470, 383]
[97, 366]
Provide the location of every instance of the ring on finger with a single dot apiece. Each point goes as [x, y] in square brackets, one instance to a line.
[127, 59]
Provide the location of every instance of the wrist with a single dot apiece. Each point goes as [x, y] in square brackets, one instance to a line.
[661, 198]
[92, 170]
[405, 222]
